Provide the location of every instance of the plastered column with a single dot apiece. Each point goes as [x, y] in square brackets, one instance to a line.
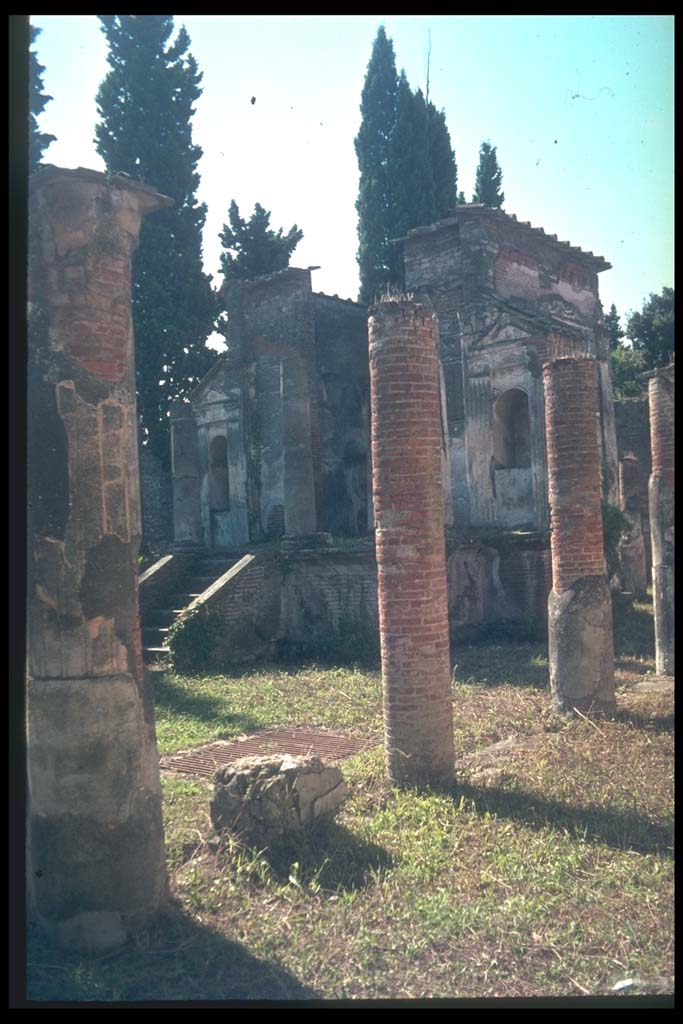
[96, 845]
[581, 649]
[411, 565]
[187, 513]
[632, 545]
[661, 505]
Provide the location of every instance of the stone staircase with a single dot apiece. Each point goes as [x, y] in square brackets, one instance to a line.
[157, 621]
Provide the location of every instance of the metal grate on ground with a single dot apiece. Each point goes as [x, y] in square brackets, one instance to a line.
[204, 761]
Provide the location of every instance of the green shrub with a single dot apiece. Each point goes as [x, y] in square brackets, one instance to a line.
[193, 639]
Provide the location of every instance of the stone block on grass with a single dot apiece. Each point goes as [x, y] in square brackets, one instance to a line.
[262, 799]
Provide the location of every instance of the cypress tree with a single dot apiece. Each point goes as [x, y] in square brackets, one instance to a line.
[613, 327]
[442, 159]
[37, 140]
[408, 175]
[252, 248]
[146, 103]
[373, 143]
[411, 177]
[489, 178]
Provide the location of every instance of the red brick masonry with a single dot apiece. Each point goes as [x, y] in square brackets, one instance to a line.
[411, 564]
[662, 427]
[573, 471]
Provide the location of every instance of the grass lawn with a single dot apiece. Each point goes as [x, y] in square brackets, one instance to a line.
[547, 873]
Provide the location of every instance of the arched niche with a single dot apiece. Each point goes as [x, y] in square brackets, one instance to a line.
[218, 491]
[511, 449]
[512, 460]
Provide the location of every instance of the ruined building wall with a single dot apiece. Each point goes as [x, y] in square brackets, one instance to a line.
[632, 421]
[156, 499]
[500, 288]
[343, 440]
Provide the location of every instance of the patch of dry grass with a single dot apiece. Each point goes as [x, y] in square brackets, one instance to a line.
[546, 870]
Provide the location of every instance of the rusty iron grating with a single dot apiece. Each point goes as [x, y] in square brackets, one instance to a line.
[204, 761]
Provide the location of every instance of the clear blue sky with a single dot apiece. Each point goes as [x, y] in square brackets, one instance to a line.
[580, 109]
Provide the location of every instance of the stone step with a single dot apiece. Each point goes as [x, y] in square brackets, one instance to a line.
[215, 567]
[154, 653]
[153, 636]
[201, 583]
[159, 617]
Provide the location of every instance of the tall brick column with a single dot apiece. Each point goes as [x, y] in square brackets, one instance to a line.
[581, 649]
[411, 563]
[661, 503]
[95, 843]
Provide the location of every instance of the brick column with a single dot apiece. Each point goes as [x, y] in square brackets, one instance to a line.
[661, 502]
[411, 563]
[581, 650]
[96, 844]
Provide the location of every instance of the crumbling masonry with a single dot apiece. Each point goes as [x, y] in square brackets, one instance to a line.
[581, 650]
[409, 533]
[96, 845]
[661, 495]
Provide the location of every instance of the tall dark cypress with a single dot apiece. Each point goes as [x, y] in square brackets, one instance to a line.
[412, 180]
[146, 104]
[442, 159]
[489, 178]
[37, 140]
[373, 146]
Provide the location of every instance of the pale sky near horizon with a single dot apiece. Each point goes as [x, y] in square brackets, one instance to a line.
[580, 108]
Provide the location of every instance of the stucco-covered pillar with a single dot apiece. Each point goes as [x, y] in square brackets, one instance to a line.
[95, 844]
[632, 546]
[581, 649]
[411, 563]
[661, 503]
[187, 514]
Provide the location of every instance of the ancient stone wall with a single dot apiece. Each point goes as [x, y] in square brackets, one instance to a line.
[343, 439]
[272, 323]
[96, 850]
[156, 499]
[409, 534]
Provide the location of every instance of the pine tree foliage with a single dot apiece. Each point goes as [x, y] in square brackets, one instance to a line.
[489, 178]
[407, 169]
[462, 199]
[146, 103]
[252, 248]
[379, 100]
[37, 140]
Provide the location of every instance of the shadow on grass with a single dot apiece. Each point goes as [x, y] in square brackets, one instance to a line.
[329, 856]
[648, 723]
[505, 663]
[621, 830]
[170, 696]
[634, 630]
[176, 959]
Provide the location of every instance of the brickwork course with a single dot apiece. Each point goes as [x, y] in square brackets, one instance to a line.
[581, 649]
[573, 471]
[661, 501]
[411, 569]
[96, 848]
